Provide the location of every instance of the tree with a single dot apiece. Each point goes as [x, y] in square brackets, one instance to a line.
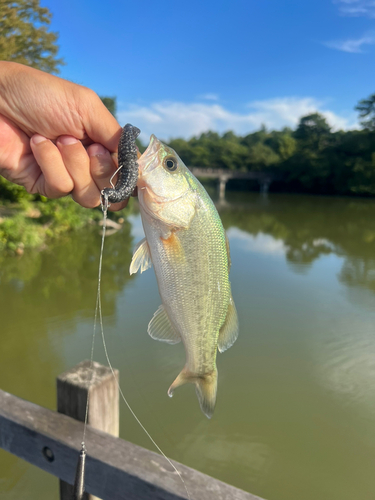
[261, 156]
[24, 35]
[110, 103]
[313, 129]
[366, 108]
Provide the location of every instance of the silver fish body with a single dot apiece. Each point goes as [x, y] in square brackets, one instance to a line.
[186, 243]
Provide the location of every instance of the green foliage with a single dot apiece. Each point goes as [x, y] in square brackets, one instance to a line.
[12, 192]
[31, 224]
[111, 104]
[19, 232]
[262, 156]
[311, 159]
[366, 108]
[24, 35]
[313, 131]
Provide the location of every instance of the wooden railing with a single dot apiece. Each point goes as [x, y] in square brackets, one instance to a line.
[115, 469]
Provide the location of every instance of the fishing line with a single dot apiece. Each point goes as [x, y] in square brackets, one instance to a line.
[79, 481]
[98, 311]
[111, 182]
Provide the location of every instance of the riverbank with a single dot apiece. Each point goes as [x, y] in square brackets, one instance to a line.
[30, 224]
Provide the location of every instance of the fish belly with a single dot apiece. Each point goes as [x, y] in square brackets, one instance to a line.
[191, 267]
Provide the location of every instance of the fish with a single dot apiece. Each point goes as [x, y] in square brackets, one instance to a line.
[187, 245]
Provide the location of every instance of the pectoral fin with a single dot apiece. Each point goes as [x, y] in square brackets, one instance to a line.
[161, 328]
[141, 257]
[229, 331]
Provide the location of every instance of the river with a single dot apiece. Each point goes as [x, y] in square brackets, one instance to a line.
[295, 416]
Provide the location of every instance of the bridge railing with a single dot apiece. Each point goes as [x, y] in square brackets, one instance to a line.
[115, 469]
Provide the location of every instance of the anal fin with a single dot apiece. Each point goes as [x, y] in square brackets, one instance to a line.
[161, 328]
[229, 331]
[141, 257]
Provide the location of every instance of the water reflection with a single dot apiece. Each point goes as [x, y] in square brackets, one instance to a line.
[54, 287]
[307, 228]
[295, 412]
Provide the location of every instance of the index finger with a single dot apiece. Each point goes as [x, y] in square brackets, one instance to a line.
[100, 125]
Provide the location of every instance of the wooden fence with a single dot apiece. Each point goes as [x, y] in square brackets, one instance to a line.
[115, 469]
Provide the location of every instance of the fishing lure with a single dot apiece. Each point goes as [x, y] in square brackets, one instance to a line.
[127, 166]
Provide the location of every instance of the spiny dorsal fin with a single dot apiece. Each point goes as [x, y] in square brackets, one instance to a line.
[229, 331]
[141, 257]
[161, 328]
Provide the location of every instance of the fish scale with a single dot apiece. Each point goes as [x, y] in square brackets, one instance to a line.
[186, 243]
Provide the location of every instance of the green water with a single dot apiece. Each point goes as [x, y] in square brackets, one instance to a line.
[295, 417]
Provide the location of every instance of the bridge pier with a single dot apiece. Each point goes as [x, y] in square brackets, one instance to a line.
[264, 185]
[223, 175]
[222, 184]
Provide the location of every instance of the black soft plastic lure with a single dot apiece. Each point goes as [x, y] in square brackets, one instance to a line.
[127, 166]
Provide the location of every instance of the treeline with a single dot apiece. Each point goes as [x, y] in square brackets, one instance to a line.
[310, 159]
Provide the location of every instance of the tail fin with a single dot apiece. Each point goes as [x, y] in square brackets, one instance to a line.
[205, 387]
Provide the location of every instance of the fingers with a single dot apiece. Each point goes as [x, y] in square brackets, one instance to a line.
[55, 180]
[102, 167]
[68, 168]
[17, 163]
[100, 125]
[77, 163]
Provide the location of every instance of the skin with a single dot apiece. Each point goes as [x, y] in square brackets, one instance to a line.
[56, 137]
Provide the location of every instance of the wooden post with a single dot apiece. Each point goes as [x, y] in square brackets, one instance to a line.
[73, 387]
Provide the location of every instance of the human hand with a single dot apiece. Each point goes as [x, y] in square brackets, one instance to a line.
[45, 124]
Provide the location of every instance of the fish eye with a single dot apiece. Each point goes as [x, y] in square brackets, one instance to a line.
[170, 163]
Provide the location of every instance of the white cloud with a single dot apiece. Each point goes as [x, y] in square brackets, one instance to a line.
[179, 119]
[351, 45]
[356, 8]
[261, 243]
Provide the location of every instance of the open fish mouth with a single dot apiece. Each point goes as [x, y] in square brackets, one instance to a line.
[146, 162]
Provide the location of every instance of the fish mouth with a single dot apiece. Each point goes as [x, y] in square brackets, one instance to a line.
[146, 162]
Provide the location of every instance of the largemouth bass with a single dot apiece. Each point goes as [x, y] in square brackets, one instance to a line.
[186, 243]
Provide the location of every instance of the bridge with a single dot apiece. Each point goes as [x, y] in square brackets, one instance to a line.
[223, 175]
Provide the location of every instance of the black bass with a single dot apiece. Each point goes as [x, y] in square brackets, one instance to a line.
[186, 243]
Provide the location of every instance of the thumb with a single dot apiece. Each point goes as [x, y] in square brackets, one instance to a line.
[100, 125]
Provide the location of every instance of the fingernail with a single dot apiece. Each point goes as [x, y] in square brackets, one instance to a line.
[96, 150]
[37, 139]
[67, 140]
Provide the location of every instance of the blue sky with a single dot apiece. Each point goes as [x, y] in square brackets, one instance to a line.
[179, 68]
